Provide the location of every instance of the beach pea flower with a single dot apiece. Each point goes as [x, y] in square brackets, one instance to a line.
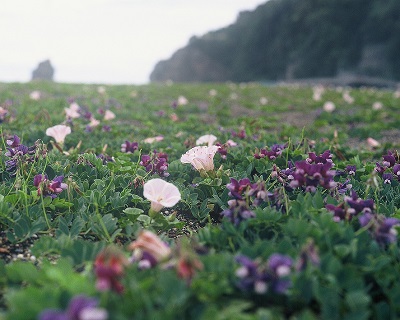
[79, 308]
[109, 268]
[58, 132]
[48, 187]
[208, 139]
[161, 194]
[149, 250]
[201, 158]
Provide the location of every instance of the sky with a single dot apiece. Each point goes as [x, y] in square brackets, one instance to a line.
[104, 41]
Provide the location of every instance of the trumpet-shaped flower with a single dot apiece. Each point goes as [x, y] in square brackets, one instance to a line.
[161, 194]
[208, 139]
[153, 139]
[35, 95]
[109, 115]
[329, 106]
[73, 111]
[58, 132]
[149, 249]
[201, 158]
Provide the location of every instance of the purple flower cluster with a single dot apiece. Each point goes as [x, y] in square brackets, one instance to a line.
[323, 158]
[129, 147]
[18, 154]
[351, 207]
[311, 175]
[380, 227]
[244, 194]
[272, 153]
[79, 308]
[156, 163]
[238, 211]
[245, 190]
[389, 169]
[48, 187]
[261, 278]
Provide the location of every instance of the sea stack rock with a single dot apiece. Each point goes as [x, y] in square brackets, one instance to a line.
[44, 71]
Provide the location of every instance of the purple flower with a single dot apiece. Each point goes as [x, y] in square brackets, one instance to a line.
[380, 227]
[351, 170]
[157, 163]
[48, 187]
[389, 160]
[79, 308]
[238, 211]
[310, 175]
[258, 277]
[19, 154]
[323, 158]
[238, 188]
[387, 178]
[273, 153]
[14, 141]
[379, 168]
[308, 256]
[129, 147]
[396, 171]
[359, 205]
[339, 212]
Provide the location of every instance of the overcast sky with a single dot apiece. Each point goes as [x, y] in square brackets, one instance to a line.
[104, 41]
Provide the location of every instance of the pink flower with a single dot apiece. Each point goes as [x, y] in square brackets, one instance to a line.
[73, 111]
[109, 268]
[201, 158]
[373, 143]
[58, 132]
[208, 139]
[149, 243]
[161, 194]
[109, 115]
[93, 122]
[153, 139]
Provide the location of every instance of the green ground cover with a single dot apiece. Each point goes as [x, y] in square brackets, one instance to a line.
[290, 212]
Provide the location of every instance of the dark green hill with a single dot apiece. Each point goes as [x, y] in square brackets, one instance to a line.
[292, 39]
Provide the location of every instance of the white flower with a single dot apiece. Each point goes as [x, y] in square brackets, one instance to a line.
[161, 194]
[58, 132]
[212, 92]
[317, 92]
[347, 97]
[208, 139]
[263, 101]
[101, 90]
[35, 95]
[377, 105]
[329, 106]
[201, 158]
[182, 101]
[109, 115]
